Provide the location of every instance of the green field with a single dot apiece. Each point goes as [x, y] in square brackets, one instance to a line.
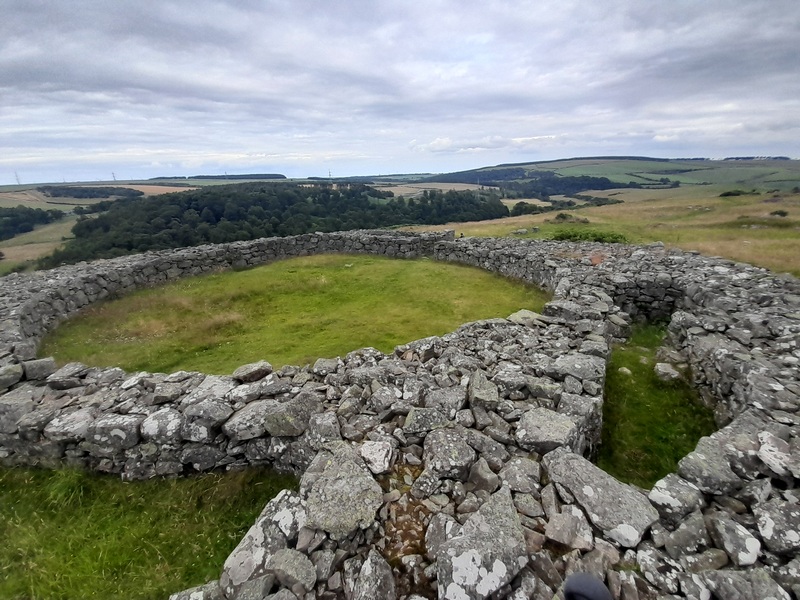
[741, 228]
[775, 174]
[289, 312]
[69, 535]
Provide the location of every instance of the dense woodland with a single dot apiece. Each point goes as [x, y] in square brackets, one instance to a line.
[218, 214]
[23, 219]
[75, 191]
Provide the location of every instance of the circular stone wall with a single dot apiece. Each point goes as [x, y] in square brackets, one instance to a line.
[407, 460]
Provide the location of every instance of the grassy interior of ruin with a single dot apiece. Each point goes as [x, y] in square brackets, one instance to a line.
[289, 312]
[648, 424]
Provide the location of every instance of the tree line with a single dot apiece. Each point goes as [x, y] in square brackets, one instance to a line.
[85, 192]
[22, 219]
[227, 213]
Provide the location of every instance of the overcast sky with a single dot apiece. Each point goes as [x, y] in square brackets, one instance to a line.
[302, 87]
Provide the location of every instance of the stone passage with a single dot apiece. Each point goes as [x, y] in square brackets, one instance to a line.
[456, 466]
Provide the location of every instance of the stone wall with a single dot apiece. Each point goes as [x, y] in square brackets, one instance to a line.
[406, 460]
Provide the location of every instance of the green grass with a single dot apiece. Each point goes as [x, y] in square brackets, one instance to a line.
[648, 425]
[289, 312]
[74, 535]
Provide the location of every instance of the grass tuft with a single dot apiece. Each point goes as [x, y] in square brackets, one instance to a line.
[648, 425]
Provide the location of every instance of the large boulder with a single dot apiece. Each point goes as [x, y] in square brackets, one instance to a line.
[13, 406]
[708, 468]
[625, 520]
[375, 580]
[69, 427]
[487, 553]
[247, 423]
[343, 498]
[542, 430]
[277, 525]
[10, 374]
[447, 454]
[115, 433]
[163, 426]
[674, 498]
[779, 525]
[481, 392]
[284, 419]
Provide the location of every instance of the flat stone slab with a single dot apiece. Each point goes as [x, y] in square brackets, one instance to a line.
[343, 499]
[487, 553]
[625, 520]
[543, 430]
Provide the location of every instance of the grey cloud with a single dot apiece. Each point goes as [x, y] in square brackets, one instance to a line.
[296, 83]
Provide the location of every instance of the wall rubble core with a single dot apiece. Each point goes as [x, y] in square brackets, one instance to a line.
[408, 460]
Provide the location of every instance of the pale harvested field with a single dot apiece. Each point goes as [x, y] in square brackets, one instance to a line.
[148, 190]
[28, 198]
[35, 244]
[409, 190]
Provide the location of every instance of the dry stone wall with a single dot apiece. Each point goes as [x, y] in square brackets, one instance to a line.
[455, 466]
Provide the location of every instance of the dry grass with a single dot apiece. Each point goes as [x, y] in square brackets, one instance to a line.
[28, 198]
[689, 217]
[148, 190]
[25, 249]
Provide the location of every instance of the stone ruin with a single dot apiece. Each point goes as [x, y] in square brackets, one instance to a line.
[458, 466]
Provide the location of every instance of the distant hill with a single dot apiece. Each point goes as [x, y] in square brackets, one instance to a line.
[558, 177]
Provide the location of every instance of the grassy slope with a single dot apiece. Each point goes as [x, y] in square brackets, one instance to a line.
[71, 535]
[290, 312]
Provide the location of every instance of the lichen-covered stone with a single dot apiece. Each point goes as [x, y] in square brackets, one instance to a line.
[252, 371]
[13, 406]
[447, 454]
[487, 553]
[343, 498]
[741, 546]
[542, 430]
[375, 580]
[779, 525]
[273, 530]
[674, 498]
[625, 520]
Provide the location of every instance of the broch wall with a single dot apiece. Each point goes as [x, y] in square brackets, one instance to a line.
[456, 465]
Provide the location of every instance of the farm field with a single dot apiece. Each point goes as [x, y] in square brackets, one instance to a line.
[692, 218]
[780, 174]
[26, 248]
